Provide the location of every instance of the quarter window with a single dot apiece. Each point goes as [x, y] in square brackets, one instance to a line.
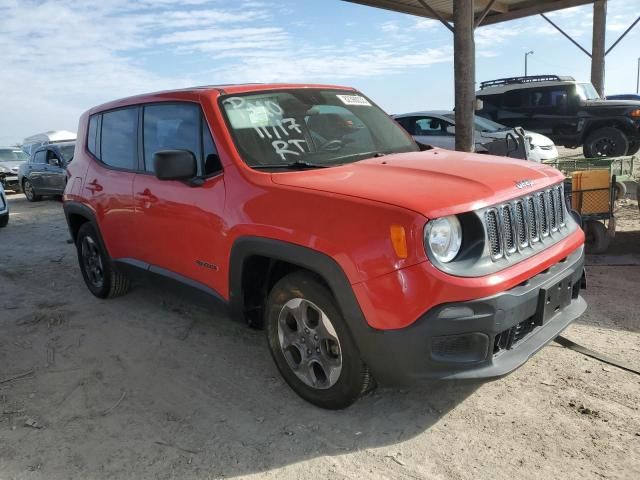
[92, 135]
[119, 139]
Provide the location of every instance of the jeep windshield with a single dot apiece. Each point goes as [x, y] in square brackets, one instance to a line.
[310, 127]
[586, 92]
[12, 155]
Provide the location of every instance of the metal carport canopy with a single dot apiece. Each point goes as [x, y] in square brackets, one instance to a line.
[462, 17]
[498, 10]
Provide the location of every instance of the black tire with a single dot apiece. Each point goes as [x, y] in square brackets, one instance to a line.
[98, 273]
[633, 148]
[30, 192]
[621, 190]
[4, 220]
[597, 238]
[340, 388]
[605, 142]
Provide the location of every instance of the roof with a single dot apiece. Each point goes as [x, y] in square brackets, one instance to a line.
[192, 93]
[498, 10]
[429, 113]
[522, 86]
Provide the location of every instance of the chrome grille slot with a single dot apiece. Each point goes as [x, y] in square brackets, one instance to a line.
[509, 229]
[557, 195]
[495, 245]
[532, 216]
[521, 224]
[551, 208]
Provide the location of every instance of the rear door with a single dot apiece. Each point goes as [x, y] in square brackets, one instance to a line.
[178, 226]
[109, 180]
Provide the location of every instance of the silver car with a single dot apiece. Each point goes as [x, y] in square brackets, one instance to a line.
[437, 128]
[4, 208]
[10, 160]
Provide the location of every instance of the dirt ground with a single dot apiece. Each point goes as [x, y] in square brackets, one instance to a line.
[156, 385]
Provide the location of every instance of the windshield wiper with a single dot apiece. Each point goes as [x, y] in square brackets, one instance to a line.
[297, 165]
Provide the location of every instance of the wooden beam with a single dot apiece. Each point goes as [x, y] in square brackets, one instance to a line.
[533, 8]
[622, 36]
[566, 35]
[484, 13]
[464, 74]
[597, 49]
[496, 6]
[435, 14]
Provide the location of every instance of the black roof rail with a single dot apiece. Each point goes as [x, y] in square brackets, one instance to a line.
[527, 79]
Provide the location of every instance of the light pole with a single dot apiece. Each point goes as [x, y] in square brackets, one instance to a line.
[525, 61]
[638, 78]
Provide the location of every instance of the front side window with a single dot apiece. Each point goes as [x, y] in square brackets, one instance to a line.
[119, 139]
[431, 127]
[310, 126]
[170, 127]
[12, 155]
[40, 156]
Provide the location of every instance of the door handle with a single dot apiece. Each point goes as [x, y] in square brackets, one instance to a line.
[94, 186]
[147, 196]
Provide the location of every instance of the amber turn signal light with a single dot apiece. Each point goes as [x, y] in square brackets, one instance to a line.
[399, 240]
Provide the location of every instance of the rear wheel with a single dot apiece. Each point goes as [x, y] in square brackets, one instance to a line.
[633, 148]
[30, 192]
[606, 142]
[100, 277]
[4, 220]
[311, 344]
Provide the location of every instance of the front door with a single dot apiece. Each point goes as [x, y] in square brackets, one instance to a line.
[53, 176]
[179, 226]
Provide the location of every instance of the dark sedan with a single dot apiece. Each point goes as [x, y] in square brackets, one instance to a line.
[45, 172]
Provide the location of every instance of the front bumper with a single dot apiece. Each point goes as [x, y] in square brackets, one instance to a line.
[9, 181]
[483, 338]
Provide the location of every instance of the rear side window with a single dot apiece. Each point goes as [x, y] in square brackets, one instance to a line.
[119, 139]
[515, 99]
[179, 126]
[92, 135]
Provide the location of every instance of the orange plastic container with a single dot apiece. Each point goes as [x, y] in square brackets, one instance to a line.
[595, 199]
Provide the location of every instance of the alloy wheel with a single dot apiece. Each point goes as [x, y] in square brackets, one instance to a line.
[92, 262]
[309, 343]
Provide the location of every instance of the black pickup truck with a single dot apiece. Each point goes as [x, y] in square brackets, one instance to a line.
[569, 112]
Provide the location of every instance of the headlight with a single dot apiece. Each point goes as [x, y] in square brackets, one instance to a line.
[443, 238]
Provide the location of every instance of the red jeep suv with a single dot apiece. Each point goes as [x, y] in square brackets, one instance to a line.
[310, 212]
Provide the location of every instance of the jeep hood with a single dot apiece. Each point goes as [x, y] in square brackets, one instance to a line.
[433, 183]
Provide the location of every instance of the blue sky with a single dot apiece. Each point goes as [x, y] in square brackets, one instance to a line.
[61, 57]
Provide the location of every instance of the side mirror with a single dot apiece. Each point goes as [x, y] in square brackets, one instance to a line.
[175, 165]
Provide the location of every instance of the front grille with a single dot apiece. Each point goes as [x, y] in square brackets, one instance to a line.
[508, 339]
[523, 222]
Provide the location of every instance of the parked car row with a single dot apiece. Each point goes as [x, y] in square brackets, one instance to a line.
[10, 160]
[437, 128]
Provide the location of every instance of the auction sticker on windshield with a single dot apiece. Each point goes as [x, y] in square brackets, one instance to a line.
[354, 100]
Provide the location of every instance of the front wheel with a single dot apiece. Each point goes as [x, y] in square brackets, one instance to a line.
[4, 220]
[100, 277]
[311, 344]
[606, 142]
